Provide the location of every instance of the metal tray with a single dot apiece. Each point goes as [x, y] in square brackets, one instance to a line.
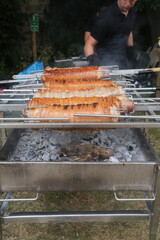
[76, 176]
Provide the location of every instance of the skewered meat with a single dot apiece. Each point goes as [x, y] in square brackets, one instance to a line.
[98, 92]
[76, 73]
[70, 91]
[119, 101]
[68, 111]
[78, 85]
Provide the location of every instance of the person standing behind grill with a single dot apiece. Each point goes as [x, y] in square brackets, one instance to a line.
[110, 41]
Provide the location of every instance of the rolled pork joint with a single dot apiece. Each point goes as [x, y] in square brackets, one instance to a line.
[72, 94]
[58, 108]
[119, 101]
[80, 85]
[69, 111]
[97, 92]
[76, 73]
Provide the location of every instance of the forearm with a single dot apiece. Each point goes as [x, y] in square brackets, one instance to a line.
[88, 49]
[130, 42]
[89, 46]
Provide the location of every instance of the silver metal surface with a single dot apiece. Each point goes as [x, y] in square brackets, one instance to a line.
[155, 217]
[18, 199]
[62, 126]
[76, 176]
[146, 106]
[119, 116]
[66, 176]
[131, 71]
[28, 76]
[81, 176]
[18, 81]
[105, 216]
[31, 119]
[23, 86]
[146, 198]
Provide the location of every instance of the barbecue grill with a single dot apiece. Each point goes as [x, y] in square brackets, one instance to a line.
[143, 176]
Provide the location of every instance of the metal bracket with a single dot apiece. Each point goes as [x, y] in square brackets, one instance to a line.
[19, 199]
[147, 198]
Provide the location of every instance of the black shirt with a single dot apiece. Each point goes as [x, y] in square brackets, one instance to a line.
[111, 29]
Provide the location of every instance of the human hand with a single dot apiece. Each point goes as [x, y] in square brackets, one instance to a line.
[93, 60]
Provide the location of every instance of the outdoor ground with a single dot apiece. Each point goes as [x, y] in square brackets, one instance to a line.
[64, 201]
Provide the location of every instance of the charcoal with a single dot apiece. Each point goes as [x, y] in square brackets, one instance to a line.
[31, 154]
[113, 159]
[52, 141]
[46, 145]
[46, 157]
[54, 157]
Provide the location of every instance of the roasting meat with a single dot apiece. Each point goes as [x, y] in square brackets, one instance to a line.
[77, 73]
[119, 101]
[97, 92]
[80, 85]
[68, 111]
[70, 91]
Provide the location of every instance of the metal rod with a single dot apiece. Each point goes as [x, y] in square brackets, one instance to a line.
[117, 116]
[143, 93]
[31, 119]
[29, 85]
[87, 125]
[29, 76]
[16, 94]
[155, 216]
[18, 81]
[97, 216]
[147, 103]
[19, 199]
[142, 89]
[18, 90]
[14, 99]
[149, 99]
[129, 71]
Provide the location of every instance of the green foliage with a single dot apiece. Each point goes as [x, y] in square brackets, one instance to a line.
[11, 20]
[151, 4]
[66, 21]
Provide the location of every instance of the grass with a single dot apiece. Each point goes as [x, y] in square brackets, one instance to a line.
[56, 201]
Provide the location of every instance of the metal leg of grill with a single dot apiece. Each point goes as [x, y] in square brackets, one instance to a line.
[0, 228]
[2, 208]
[155, 217]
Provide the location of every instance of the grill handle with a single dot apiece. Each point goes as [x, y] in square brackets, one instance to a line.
[146, 198]
[19, 199]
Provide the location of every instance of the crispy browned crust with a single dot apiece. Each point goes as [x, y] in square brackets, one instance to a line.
[73, 73]
[68, 111]
[119, 101]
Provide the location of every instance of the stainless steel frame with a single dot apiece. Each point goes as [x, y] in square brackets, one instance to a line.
[85, 176]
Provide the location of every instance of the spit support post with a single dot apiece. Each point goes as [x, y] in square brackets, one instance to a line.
[3, 131]
[155, 216]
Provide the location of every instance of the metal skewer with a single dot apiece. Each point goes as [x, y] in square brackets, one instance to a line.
[18, 81]
[142, 89]
[31, 119]
[147, 103]
[29, 85]
[118, 116]
[16, 94]
[18, 90]
[28, 76]
[129, 71]
[148, 99]
[14, 99]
